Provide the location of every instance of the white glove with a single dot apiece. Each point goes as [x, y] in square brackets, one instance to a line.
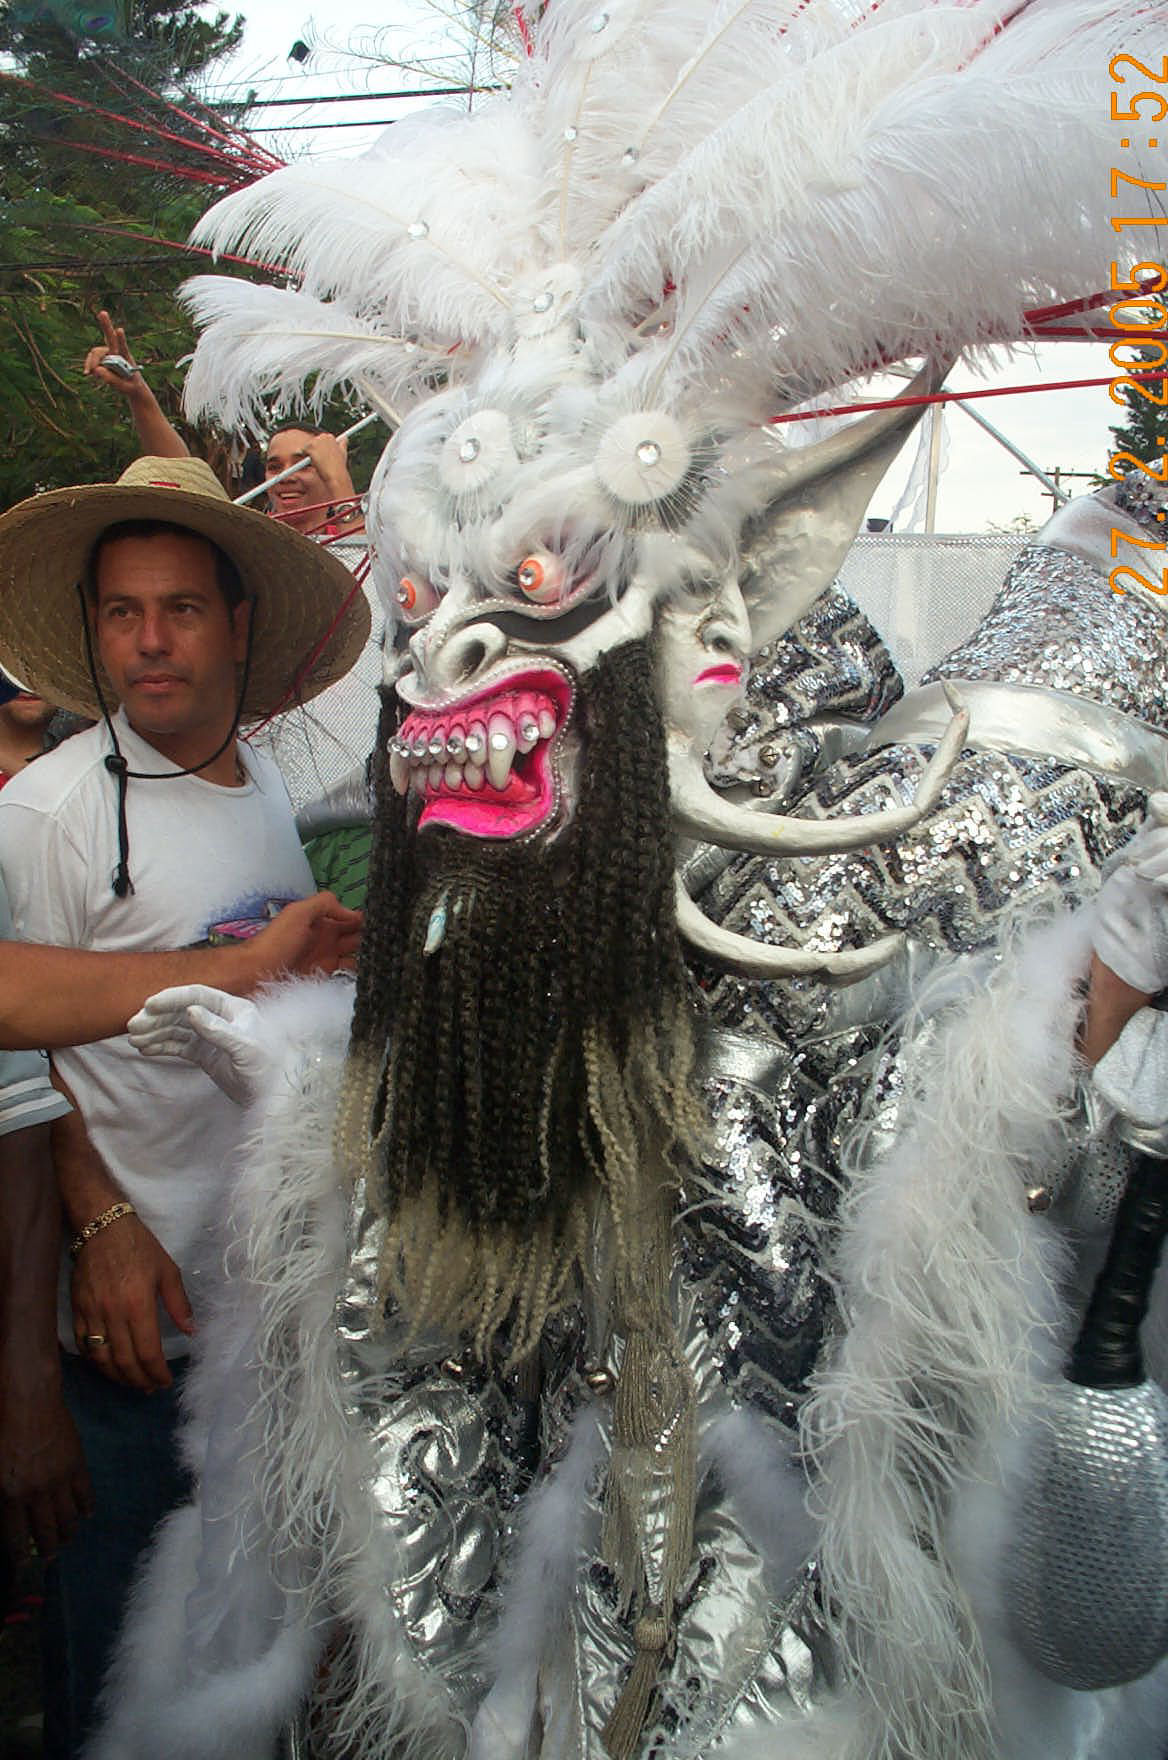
[1131, 912]
[217, 1032]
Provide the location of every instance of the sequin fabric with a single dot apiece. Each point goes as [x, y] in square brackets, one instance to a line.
[831, 668]
[1010, 833]
[1057, 623]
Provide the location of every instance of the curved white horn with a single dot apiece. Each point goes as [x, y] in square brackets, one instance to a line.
[758, 959]
[701, 812]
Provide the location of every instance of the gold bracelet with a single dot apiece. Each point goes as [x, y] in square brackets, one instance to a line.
[113, 1214]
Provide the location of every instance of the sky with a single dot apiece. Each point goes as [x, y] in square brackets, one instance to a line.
[981, 486]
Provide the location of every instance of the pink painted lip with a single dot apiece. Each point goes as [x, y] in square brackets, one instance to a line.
[529, 795]
[727, 674]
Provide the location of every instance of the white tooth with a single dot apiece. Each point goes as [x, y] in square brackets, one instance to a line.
[399, 771]
[547, 724]
[473, 776]
[456, 745]
[476, 743]
[419, 749]
[500, 750]
[526, 732]
[453, 775]
[437, 749]
[434, 776]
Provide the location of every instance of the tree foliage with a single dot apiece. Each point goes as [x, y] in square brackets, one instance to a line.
[81, 229]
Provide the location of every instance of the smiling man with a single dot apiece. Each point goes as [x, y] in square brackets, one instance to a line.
[320, 499]
[157, 607]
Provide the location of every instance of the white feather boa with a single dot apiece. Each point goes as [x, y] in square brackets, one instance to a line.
[243, 1590]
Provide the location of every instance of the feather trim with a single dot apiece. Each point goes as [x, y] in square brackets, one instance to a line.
[948, 1288]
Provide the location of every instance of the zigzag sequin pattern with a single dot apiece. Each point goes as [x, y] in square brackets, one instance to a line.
[1008, 829]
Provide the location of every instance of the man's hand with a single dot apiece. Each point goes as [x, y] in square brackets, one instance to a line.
[44, 1485]
[119, 1278]
[157, 437]
[316, 934]
[219, 1033]
[331, 458]
[114, 342]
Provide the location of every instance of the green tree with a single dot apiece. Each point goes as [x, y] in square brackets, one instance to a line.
[85, 223]
[1145, 433]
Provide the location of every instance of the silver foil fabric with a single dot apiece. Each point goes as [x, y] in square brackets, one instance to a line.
[808, 694]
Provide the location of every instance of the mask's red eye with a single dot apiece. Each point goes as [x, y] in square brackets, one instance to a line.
[541, 577]
[416, 597]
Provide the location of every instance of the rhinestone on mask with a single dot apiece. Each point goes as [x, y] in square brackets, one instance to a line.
[599, 23]
[630, 155]
[648, 453]
[542, 302]
[418, 229]
[470, 449]
[570, 133]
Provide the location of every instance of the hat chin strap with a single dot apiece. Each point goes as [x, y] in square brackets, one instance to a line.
[115, 762]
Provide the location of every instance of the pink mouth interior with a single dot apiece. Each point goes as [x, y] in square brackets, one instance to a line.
[528, 796]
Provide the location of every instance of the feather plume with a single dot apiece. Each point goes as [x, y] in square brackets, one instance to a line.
[883, 233]
[269, 343]
[427, 228]
[747, 202]
[939, 1260]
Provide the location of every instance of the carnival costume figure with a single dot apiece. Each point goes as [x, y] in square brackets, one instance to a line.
[554, 1405]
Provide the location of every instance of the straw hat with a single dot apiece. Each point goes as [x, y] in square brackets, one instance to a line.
[311, 619]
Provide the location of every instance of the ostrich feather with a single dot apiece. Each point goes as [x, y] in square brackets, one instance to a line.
[894, 239]
[268, 343]
[741, 204]
[425, 230]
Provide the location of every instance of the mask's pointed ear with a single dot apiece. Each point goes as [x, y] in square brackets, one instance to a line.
[794, 547]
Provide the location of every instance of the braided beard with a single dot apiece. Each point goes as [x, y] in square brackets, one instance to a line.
[538, 1058]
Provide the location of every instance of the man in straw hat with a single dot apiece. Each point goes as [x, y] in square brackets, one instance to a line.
[168, 615]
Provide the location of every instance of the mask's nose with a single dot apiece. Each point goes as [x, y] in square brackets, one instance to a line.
[454, 648]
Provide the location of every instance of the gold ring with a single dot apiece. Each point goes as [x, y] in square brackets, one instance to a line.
[94, 1340]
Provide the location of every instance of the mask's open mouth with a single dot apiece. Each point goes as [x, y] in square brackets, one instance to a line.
[486, 765]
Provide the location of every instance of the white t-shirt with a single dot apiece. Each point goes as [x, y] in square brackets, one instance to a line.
[207, 863]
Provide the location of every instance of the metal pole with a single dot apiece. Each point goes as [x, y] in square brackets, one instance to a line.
[1051, 487]
[934, 468]
[262, 488]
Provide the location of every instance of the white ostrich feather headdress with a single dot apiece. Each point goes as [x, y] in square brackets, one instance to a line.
[680, 220]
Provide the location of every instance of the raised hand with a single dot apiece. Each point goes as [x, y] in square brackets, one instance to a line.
[113, 342]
